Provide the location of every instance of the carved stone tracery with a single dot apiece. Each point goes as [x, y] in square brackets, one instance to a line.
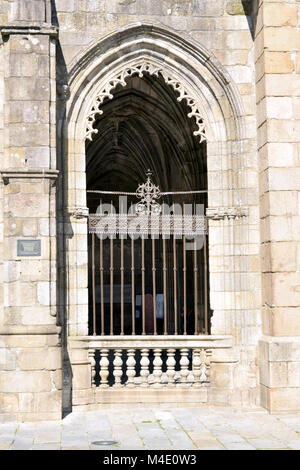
[139, 69]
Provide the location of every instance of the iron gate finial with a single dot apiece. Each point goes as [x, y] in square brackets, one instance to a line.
[148, 192]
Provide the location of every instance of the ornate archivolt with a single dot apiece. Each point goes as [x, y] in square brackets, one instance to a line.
[139, 69]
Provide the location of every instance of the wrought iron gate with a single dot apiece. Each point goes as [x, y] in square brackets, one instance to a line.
[149, 267]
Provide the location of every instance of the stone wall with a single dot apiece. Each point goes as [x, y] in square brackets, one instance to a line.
[30, 344]
[34, 67]
[226, 32]
[277, 46]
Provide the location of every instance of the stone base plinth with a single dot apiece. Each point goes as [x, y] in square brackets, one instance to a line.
[279, 365]
[30, 374]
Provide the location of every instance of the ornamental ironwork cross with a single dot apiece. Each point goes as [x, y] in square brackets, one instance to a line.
[148, 193]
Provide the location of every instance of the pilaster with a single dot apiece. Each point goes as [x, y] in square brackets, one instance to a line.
[30, 344]
[277, 52]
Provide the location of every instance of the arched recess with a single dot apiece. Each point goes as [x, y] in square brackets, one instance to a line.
[213, 100]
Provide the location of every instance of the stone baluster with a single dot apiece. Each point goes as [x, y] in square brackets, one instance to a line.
[117, 372]
[171, 367]
[144, 367]
[104, 363]
[196, 367]
[157, 367]
[207, 364]
[203, 376]
[130, 363]
[184, 365]
[92, 360]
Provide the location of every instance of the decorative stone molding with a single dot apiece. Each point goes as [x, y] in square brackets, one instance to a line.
[218, 213]
[8, 30]
[8, 174]
[139, 69]
[80, 213]
[63, 91]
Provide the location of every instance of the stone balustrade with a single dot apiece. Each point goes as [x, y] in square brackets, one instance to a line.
[149, 363]
[144, 367]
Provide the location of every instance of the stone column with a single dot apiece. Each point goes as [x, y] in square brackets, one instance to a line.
[277, 56]
[30, 346]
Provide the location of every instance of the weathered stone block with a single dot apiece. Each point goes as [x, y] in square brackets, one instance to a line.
[57, 379]
[37, 157]
[28, 135]
[54, 359]
[69, 5]
[278, 62]
[25, 381]
[46, 402]
[33, 359]
[285, 15]
[23, 65]
[239, 7]
[27, 205]
[28, 88]
[29, 228]
[9, 402]
[81, 376]
[222, 375]
[21, 294]
[26, 402]
[282, 39]
[201, 8]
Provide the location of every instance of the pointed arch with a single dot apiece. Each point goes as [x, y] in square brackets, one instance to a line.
[203, 84]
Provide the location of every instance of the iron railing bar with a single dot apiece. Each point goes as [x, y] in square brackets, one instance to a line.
[154, 287]
[101, 287]
[132, 287]
[143, 286]
[93, 283]
[111, 286]
[122, 286]
[205, 286]
[168, 193]
[175, 285]
[184, 285]
[165, 286]
[195, 287]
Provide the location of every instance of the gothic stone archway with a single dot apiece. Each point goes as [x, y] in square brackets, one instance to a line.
[213, 101]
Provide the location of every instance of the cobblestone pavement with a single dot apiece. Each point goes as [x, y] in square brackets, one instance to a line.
[163, 428]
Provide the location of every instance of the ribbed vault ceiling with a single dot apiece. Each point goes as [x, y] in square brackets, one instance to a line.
[144, 126]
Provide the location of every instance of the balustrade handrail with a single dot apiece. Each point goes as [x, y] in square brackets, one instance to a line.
[150, 341]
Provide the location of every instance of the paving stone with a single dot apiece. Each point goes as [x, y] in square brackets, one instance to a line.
[22, 444]
[179, 439]
[295, 445]
[228, 438]
[45, 446]
[47, 436]
[224, 429]
[6, 438]
[5, 446]
[208, 444]
[267, 444]
[79, 447]
[239, 446]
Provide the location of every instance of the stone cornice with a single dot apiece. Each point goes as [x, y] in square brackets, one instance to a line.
[30, 330]
[8, 174]
[44, 29]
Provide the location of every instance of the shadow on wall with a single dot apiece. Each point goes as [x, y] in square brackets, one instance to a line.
[61, 97]
[250, 10]
[244, 7]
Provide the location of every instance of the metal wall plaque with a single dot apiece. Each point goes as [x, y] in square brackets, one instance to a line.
[29, 248]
